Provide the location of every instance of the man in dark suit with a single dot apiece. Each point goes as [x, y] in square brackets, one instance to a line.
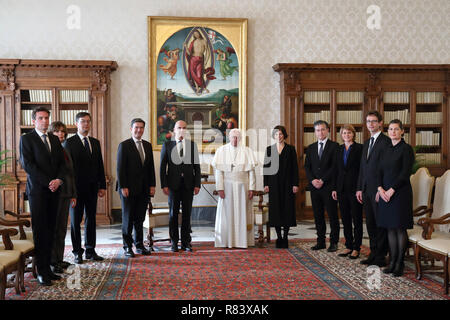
[320, 170]
[135, 183]
[42, 157]
[180, 180]
[90, 182]
[367, 187]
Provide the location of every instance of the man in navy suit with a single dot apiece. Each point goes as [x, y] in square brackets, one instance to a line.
[180, 180]
[90, 182]
[135, 183]
[42, 158]
[320, 169]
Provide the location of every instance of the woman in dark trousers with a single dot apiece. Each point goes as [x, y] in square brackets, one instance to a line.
[67, 198]
[395, 196]
[348, 159]
[281, 182]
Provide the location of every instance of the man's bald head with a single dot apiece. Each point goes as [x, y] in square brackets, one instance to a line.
[180, 129]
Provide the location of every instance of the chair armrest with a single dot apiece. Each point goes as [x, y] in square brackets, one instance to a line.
[6, 233]
[260, 194]
[17, 223]
[428, 224]
[18, 216]
[422, 210]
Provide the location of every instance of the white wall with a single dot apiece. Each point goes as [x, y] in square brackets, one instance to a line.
[328, 31]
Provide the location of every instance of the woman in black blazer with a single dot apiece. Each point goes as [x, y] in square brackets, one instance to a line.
[348, 158]
[394, 196]
[281, 182]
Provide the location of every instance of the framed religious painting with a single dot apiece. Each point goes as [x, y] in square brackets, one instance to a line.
[198, 74]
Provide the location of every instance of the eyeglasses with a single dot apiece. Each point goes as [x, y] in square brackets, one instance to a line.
[371, 121]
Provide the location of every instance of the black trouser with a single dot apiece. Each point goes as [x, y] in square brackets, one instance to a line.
[377, 236]
[183, 196]
[60, 230]
[321, 199]
[43, 208]
[86, 204]
[351, 214]
[134, 208]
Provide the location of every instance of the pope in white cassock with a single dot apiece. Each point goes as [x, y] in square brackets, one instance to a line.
[234, 166]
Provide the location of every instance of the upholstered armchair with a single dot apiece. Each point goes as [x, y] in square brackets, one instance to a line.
[10, 262]
[436, 244]
[422, 186]
[22, 244]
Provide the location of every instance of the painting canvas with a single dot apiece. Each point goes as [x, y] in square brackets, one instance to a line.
[198, 72]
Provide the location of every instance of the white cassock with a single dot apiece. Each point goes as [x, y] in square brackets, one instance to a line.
[235, 174]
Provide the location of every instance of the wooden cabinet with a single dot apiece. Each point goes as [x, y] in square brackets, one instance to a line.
[65, 88]
[344, 93]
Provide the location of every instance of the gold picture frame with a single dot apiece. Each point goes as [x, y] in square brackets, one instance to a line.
[207, 90]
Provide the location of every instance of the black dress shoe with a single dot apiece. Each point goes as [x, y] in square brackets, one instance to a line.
[381, 262]
[93, 256]
[389, 269]
[64, 264]
[285, 243]
[174, 247]
[78, 258]
[57, 268]
[354, 257]
[318, 247]
[399, 269]
[278, 243]
[333, 247]
[43, 280]
[143, 251]
[53, 276]
[370, 259]
[187, 248]
[129, 253]
[345, 254]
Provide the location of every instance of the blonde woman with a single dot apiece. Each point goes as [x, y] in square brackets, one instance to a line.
[348, 158]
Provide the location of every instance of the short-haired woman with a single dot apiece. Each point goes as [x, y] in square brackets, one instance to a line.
[348, 159]
[394, 196]
[281, 182]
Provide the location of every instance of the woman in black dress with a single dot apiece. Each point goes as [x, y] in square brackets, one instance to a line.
[395, 196]
[281, 182]
[348, 159]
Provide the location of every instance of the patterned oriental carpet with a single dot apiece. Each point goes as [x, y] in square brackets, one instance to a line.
[232, 274]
